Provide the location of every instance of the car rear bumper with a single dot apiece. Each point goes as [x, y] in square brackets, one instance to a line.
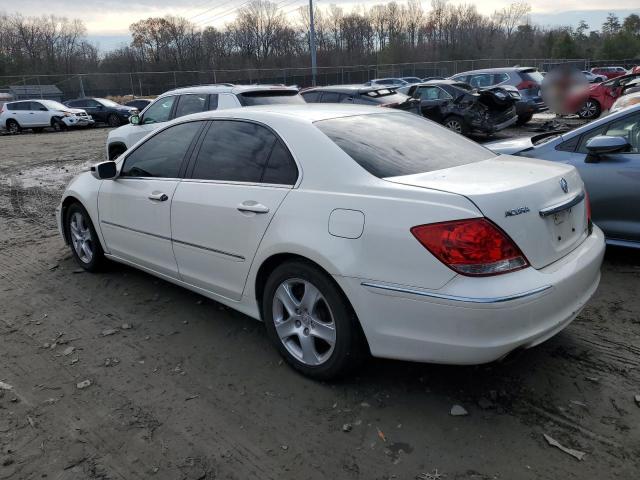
[526, 107]
[476, 320]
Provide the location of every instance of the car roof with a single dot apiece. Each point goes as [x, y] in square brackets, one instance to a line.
[305, 113]
[350, 88]
[227, 88]
[495, 70]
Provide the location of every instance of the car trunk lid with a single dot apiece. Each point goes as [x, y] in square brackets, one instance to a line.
[526, 198]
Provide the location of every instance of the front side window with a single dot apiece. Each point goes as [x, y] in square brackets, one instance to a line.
[236, 151]
[627, 128]
[481, 80]
[373, 142]
[311, 97]
[161, 156]
[330, 97]
[160, 111]
[38, 106]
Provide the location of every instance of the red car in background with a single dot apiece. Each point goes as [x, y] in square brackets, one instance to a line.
[609, 72]
[591, 101]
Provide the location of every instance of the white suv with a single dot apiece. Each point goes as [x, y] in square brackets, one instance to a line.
[184, 101]
[38, 114]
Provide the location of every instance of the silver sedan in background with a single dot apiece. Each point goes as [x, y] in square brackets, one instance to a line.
[606, 152]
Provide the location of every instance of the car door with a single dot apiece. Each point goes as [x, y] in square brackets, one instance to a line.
[613, 181]
[241, 174]
[135, 208]
[40, 116]
[20, 112]
[432, 98]
[93, 108]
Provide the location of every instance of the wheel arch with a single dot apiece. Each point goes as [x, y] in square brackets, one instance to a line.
[272, 262]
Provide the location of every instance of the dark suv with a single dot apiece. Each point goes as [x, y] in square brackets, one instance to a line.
[526, 79]
[375, 95]
[103, 110]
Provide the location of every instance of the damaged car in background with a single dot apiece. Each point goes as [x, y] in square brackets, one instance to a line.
[463, 109]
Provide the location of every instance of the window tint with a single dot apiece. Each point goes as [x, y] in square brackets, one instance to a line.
[213, 101]
[270, 97]
[500, 77]
[281, 169]
[373, 142]
[19, 106]
[311, 97]
[190, 104]
[330, 97]
[161, 155]
[234, 151]
[38, 107]
[159, 111]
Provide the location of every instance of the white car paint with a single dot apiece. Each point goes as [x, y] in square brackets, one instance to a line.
[40, 113]
[410, 305]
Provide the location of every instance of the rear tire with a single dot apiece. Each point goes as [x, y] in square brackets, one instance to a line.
[13, 126]
[524, 119]
[456, 124]
[83, 239]
[310, 322]
[590, 109]
[113, 120]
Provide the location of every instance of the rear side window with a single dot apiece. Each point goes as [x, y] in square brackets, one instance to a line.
[191, 103]
[531, 74]
[21, 106]
[161, 156]
[330, 97]
[270, 97]
[311, 97]
[234, 151]
[281, 169]
[500, 77]
[374, 143]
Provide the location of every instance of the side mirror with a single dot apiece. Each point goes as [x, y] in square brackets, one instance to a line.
[134, 119]
[603, 144]
[105, 170]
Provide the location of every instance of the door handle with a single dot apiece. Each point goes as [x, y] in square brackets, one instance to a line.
[253, 206]
[158, 197]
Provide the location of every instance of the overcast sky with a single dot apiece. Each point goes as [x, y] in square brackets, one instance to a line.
[107, 21]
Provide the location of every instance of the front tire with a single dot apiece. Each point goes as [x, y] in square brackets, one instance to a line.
[84, 242]
[590, 109]
[310, 322]
[58, 125]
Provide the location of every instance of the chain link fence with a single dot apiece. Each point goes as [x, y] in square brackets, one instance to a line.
[149, 84]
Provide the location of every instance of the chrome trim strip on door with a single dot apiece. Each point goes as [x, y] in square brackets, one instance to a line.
[135, 230]
[559, 207]
[456, 298]
[221, 252]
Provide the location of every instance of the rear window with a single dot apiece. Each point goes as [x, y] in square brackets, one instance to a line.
[531, 74]
[384, 96]
[396, 144]
[269, 97]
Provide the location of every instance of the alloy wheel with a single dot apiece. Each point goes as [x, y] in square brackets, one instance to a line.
[304, 322]
[589, 109]
[454, 125]
[81, 237]
[14, 127]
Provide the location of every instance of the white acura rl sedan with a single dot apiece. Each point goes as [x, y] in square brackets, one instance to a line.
[347, 230]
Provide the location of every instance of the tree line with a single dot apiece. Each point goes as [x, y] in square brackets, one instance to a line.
[263, 35]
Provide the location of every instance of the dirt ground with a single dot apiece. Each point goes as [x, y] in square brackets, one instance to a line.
[184, 388]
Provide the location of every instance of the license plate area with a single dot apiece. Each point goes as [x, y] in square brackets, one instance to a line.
[564, 226]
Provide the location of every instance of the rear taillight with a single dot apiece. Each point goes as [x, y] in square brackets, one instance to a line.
[474, 247]
[587, 206]
[526, 84]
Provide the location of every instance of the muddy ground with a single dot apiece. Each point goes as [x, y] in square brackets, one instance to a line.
[183, 388]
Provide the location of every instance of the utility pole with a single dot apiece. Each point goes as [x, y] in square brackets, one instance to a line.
[312, 42]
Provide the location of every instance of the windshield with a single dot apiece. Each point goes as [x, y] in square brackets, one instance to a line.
[107, 103]
[270, 97]
[396, 144]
